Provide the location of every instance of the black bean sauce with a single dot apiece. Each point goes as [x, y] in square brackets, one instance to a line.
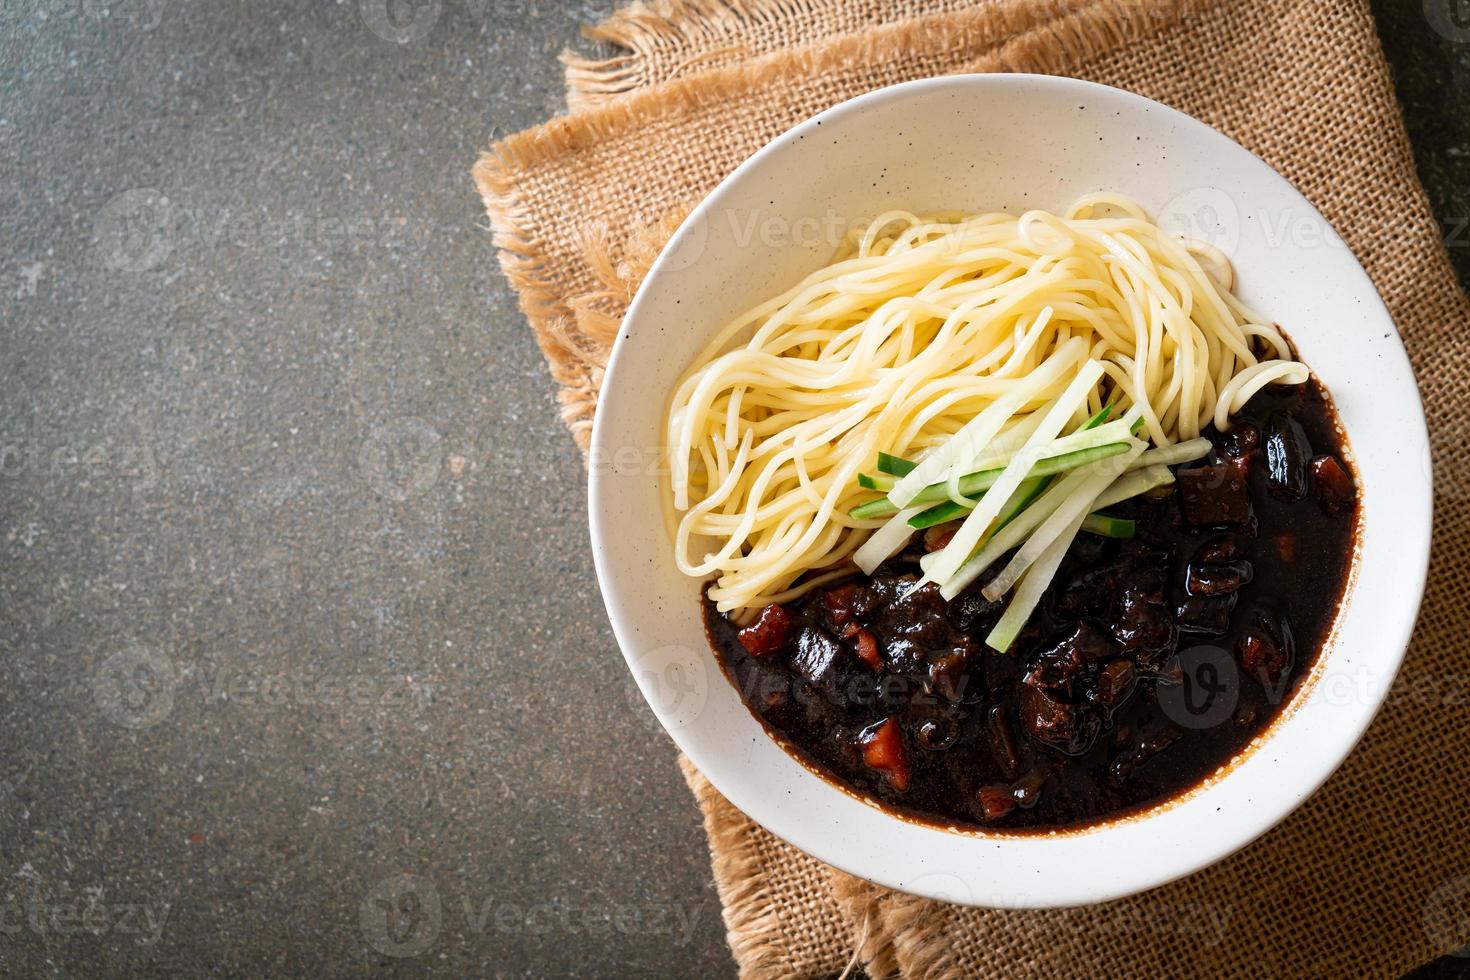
[1150, 663]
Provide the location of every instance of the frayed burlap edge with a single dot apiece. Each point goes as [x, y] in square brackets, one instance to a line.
[660, 40]
[575, 332]
[698, 30]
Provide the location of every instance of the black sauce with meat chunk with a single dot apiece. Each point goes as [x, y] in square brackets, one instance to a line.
[1094, 713]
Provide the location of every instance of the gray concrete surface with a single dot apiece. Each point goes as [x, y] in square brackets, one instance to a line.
[302, 663]
[296, 594]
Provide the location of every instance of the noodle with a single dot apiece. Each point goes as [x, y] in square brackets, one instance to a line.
[919, 325]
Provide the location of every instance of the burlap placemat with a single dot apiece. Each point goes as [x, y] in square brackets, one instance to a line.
[1372, 876]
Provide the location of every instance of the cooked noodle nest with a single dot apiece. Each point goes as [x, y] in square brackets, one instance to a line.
[919, 324]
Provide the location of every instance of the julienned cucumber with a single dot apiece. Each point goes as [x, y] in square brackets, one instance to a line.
[1023, 498]
[977, 483]
[949, 511]
[1099, 524]
[1109, 527]
[938, 514]
[895, 465]
[881, 482]
[891, 468]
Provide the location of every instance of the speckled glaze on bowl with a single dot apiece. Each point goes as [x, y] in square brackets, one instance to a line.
[988, 142]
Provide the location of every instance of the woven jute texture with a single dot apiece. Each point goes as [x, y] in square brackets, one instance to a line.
[1372, 875]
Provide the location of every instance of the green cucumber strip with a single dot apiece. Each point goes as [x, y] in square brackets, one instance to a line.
[1182, 452]
[1015, 534]
[1109, 527]
[881, 482]
[1099, 418]
[1022, 499]
[938, 514]
[1083, 438]
[873, 510]
[981, 429]
[1133, 483]
[949, 510]
[1074, 509]
[1027, 494]
[977, 483]
[895, 465]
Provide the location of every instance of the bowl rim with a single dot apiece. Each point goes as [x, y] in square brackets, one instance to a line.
[1412, 576]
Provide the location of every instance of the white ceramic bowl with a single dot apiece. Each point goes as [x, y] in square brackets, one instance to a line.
[989, 142]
